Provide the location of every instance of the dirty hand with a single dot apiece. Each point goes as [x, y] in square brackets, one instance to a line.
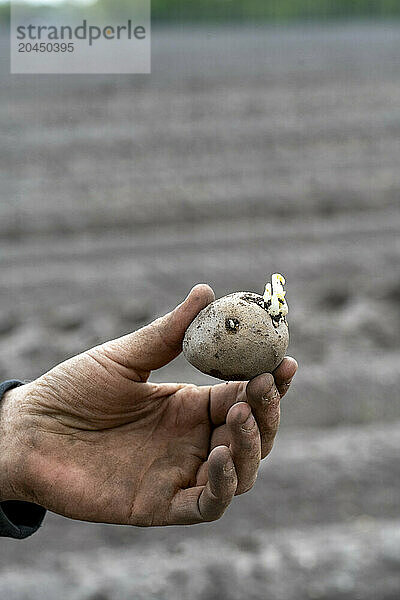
[92, 439]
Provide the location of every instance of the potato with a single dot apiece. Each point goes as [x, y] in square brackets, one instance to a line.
[240, 336]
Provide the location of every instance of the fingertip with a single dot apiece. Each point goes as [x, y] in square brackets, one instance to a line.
[259, 387]
[221, 471]
[238, 414]
[200, 296]
[222, 475]
[220, 457]
[180, 318]
[201, 293]
[293, 361]
[286, 370]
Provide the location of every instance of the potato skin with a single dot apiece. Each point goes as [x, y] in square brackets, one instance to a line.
[234, 338]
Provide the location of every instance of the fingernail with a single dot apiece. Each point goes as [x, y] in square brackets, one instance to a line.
[249, 423]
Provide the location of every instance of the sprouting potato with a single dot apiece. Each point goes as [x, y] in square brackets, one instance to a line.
[241, 335]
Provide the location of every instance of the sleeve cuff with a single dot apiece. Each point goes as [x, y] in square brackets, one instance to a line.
[18, 520]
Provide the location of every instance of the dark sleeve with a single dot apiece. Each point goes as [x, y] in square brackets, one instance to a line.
[18, 520]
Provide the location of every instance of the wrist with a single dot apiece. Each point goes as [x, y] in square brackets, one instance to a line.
[11, 446]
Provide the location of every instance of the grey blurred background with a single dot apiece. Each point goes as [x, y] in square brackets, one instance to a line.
[252, 148]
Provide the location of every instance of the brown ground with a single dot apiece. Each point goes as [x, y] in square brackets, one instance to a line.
[246, 152]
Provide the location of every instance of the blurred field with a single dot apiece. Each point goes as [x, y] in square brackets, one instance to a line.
[174, 11]
[248, 151]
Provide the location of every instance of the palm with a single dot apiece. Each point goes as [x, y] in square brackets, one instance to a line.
[158, 435]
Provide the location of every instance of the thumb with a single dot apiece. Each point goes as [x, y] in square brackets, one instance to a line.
[158, 343]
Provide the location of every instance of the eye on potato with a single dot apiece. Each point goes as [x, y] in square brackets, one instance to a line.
[241, 335]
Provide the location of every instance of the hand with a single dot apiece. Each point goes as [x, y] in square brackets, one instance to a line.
[93, 440]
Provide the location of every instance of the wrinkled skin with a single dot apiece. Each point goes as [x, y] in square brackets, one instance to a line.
[92, 439]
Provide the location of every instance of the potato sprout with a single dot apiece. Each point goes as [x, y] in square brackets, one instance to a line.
[274, 296]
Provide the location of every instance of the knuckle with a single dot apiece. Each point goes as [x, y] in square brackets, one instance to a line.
[191, 392]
